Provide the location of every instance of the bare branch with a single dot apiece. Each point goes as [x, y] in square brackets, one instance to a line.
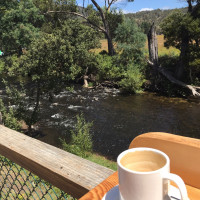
[80, 15]
[102, 16]
[99, 9]
[109, 4]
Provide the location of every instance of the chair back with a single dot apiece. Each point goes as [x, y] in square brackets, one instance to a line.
[184, 153]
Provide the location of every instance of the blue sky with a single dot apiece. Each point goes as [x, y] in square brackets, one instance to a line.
[139, 5]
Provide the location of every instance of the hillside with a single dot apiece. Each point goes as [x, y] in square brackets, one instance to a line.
[149, 17]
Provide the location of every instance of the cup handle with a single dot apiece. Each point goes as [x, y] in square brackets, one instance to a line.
[179, 182]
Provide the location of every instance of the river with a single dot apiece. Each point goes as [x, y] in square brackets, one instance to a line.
[116, 118]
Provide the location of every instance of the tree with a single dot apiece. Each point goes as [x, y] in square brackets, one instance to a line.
[51, 62]
[92, 16]
[106, 28]
[130, 43]
[20, 23]
[153, 56]
[182, 31]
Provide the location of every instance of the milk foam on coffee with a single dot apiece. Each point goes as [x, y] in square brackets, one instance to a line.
[143, 161]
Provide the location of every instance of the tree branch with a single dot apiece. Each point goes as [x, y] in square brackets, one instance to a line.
[80, 15]
[109, 4]
[194, 89]
[101, 13]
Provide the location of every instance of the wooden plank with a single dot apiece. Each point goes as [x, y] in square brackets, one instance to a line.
[184, 153]
[72, 174]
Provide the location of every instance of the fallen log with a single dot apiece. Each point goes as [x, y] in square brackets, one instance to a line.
[194, 89]
[153, 61]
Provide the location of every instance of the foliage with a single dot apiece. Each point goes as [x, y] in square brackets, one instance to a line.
[182, 31]
[148, 17]
[59, 8]
[19, 25]
[145, 27]
[24, 104]
[104, 20]
[93, 16]
[101, 160]
[114, 18]
[8, 117]
[175, 26]
[50, 63]
[1, 66]
[81, 38]
[133, 79]
[46, 5]
[130, 42]
[107, 69]
[81, 140]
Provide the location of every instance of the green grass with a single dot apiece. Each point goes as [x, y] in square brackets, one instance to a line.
[101, 160]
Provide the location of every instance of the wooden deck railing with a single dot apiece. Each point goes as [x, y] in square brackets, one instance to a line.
[72, 174]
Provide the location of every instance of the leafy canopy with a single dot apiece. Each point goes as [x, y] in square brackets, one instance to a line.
[19, 25]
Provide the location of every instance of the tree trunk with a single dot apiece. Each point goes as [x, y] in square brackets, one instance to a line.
[111, 50]
[183, 62]
[34, 113]
[1, 119]
[153, 45]
[153, 54]
[189, 5]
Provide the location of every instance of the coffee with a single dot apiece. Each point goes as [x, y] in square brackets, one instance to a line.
[143, 161]
[144, 174]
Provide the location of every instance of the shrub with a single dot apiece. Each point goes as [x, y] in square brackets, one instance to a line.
[133, 79]
[81, 140]
[8, 117]
[107, 70]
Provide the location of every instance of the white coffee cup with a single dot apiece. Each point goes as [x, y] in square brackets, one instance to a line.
[144, 174]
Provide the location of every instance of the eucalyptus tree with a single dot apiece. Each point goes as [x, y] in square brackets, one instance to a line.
[105, 14]
[104, 19]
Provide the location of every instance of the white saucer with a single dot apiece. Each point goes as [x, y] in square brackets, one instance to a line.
[113, 194]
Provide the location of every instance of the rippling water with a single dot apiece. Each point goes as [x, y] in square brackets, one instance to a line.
[117, 119]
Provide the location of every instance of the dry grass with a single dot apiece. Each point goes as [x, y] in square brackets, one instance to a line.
[161, 49]
[104, 46]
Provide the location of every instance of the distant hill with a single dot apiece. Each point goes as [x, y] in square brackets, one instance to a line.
[149, 17]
